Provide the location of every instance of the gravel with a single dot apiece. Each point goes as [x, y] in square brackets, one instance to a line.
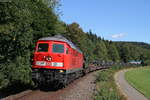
[80, 89]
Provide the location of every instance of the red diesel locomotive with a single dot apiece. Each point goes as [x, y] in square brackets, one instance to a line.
[56, 60]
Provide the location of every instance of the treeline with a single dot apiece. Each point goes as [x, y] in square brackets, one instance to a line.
[23, 22]
[97, 48]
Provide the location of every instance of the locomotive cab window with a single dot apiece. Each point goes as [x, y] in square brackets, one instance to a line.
[58, 48]
[43, 47]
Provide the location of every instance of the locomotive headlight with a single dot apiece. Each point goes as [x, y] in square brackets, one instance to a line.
[61, 71]
[57, 64]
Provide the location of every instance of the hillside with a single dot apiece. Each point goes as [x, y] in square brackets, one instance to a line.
[138, 44]
[141, 44]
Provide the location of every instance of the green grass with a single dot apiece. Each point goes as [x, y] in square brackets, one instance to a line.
[140, 79]
[106, 87]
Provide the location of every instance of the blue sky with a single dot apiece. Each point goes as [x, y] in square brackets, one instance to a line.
[117, 20]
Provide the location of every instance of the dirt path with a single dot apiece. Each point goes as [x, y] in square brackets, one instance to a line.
[81, 89]
[126, 89]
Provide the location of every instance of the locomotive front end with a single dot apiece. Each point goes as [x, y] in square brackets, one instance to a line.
[57, 61]
[48, 62]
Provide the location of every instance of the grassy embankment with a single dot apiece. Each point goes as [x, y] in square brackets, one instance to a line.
[140, 79]
[106, 87]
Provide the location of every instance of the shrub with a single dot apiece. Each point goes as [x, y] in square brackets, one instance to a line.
[106, 89]
[104, 76]
[146, 62]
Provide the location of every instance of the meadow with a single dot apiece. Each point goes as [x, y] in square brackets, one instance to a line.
[140, 79]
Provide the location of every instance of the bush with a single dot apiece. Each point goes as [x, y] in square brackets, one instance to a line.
[106, 87]
[117, 67]
[107, 93]
[104, 76]
[22, 22]
[146, 62]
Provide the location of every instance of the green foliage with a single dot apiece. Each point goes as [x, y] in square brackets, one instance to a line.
[3, 78]
[113, 53]
[118, 67]
[125, 53]
[104, 76]
[22, 22]
[100, 51]
[106, 88]
[131, 51]
[146, 62]
[54, 4]
[107, 93]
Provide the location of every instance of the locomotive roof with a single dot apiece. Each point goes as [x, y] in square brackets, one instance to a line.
[63, 39]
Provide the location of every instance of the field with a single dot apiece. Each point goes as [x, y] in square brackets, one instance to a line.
[140, 79]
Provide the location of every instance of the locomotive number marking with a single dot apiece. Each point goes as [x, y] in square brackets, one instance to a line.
[41, 63]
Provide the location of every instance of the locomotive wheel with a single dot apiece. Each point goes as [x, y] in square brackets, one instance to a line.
[56, 84]
[84, 72]
[65, 82]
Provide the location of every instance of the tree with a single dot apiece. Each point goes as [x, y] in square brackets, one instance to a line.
[53, 4]
[113, 53]
[100, 51]
[22, 22]
[125, 53]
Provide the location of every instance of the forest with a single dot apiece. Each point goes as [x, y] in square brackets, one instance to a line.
[23, 22]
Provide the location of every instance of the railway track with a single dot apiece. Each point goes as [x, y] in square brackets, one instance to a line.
[17, 96]
[43, 94]
[29, 95]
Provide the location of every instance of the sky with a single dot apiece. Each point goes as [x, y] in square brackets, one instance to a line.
[117, 20]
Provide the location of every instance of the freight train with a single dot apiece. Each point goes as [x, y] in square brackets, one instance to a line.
[58, 61]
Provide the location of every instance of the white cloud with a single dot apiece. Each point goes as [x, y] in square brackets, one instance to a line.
[116, 36]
